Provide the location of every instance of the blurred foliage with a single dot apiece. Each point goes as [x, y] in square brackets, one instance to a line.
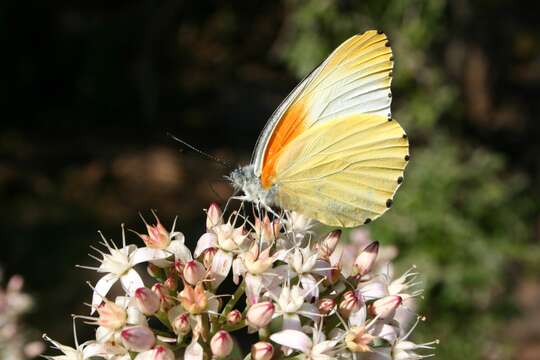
[461, 215]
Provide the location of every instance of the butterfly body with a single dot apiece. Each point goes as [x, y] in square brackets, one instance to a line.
[244, 179]
[332, 150]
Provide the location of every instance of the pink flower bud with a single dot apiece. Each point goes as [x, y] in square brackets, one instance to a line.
[260, 314]
[221, 344]
[365, 260]
[328, 245]
[213, 216]
[208, 257]
[154, 271]
[158, 353]
[326, 305]
[181, 324]
[171, 283]
[194, 272]
[111, 316]
[138, 338]
[147, 301]
[234, 317]
[350, 302]
[385, 307]
[262, 351]
[164, 297]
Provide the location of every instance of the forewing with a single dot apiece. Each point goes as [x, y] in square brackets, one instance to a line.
[344, 172]
[354, 79]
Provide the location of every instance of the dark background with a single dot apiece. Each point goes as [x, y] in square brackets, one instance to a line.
[89, 90]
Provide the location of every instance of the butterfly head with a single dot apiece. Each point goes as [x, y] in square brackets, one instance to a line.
[244, 179]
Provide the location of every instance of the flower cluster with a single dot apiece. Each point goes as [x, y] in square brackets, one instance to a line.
[302, 294]
[14, 336]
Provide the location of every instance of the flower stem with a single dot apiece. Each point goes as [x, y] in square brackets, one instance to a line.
[233, 300]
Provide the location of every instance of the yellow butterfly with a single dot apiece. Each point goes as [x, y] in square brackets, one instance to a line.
[331, 150]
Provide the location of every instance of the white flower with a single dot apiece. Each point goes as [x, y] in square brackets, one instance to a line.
[304, 262]
[228, 240]
[117, 264]
[83, 351]
[290, 304]
[403, 349]
[317, 348]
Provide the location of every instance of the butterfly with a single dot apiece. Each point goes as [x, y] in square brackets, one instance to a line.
[332, 151]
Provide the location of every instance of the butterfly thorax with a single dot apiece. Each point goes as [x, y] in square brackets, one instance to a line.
[244, 179]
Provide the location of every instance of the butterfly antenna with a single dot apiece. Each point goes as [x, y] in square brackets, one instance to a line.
[200, 152]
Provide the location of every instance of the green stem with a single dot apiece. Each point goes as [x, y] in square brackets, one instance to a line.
[233, 300]
[264, 333]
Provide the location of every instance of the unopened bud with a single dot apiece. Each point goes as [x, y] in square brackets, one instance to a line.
[111, 315]
[350, 302]
[326, 305]
[328, 245]
[171, 283]
[234, 317]
[194, 272]
[138, 338]
[158, 353]
[154, 271]
[365, 260]
[260, 314]
[181, 324]
[164, 297]
[208, 257]
[385, 306]
[262, 351]
[213, 216]
[148, 301]
[221, 344]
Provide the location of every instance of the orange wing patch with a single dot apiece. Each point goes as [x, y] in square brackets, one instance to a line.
[290, 126]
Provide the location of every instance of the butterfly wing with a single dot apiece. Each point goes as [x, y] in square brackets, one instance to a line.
[343, 172]
[354, 79]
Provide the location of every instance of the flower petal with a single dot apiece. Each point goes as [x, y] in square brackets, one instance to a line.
[180, 251]
[207, 240]
[294, 339]
[373, 290]
[147, 254]
[194, 351]
[221, 265]
[309, 284]
[131, 281]
[291, 322]
[358, 318]
[319, 350]
[101, 289]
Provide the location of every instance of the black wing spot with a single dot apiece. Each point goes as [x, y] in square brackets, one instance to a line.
[388, 203]
[368, 220]
[391, 58]
[404, 136]
[400, 179]
[380, 32]
[390, 74]
[389, 95]
[387, 44]
[407, 157]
